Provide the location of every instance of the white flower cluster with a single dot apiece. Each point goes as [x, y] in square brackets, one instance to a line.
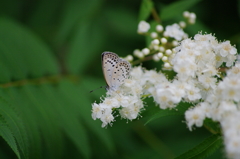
[143, 27]
[222, 105]
[198, 63]
[191, 17]
[126, 100]
[175, 31]
[195, 61]
[163, 40]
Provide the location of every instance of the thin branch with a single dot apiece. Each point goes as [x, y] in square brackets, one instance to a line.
[155, 15]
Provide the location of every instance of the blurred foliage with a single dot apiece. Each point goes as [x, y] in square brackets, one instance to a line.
[50, 60]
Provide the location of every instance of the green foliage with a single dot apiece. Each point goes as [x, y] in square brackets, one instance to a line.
[145, 9]
[50, 60]
[204, 149]
[34, 110]
[176, 8]
[212, 126]
[5, 131]
[180, 109]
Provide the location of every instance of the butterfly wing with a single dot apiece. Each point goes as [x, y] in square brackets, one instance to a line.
[120, 73]
[109, 61]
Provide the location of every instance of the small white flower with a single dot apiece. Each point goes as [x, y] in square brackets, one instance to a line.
[226, 48]
[110, 102]
[129, 58]
[156, 57]
[230, 60]
[163, 40]
[107, 117]
[164, 58]
[137, 72]
[206, 108]
[235, 71]
[238, 59]
[185, 69]
[182, 24]
[167, 65]
[153, 77]
[233, 147]
[96, 111]
[186, 14]
[160, 55]
[210, 70]
[123, 100]
[140, 55]
[226, 108]
[174, 31]
[129, 83]
[159, 28]
[161, 49]
[193, 93]
[155, 42]
[177, 93]
[143, 27]
[168, 52]
[155, 47]
[175, 43]
[145, 51]
[194, 116]
[192, 18]
[131, 112]
[125, 113]
[136, 52]
[230, 88]
[154, 35]
[163, 98]
[207, 81]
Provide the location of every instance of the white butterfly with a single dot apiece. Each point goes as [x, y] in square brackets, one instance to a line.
[115, 70]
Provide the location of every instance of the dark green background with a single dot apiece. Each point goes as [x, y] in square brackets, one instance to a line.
[74, 33]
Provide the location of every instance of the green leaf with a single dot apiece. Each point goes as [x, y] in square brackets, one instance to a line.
[5, 73]
[75, 12]
[7, 135]
[68, 119]
[84, 46]
[45, 16]
[83, 107]
[117, 20]
[23, 53]
[180, 110]
[47, 119]
[198, 27]
[204, 149]
[145, 9]
[212, 126]
[15, 124]
[176, 8]
[22, 102]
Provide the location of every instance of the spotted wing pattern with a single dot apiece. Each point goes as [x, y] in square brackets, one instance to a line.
[109, 60]
[115, 70]
[120, 73]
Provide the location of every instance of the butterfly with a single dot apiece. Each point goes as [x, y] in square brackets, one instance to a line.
[115, 70]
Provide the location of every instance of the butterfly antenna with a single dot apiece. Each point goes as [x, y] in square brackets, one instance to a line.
[97, 88]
